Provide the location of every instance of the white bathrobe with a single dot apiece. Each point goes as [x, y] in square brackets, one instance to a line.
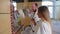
[27, 30]
[46, 28]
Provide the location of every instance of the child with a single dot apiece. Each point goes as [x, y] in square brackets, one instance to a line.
[27, 30]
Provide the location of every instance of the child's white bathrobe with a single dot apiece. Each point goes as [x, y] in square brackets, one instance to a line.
[27, 30]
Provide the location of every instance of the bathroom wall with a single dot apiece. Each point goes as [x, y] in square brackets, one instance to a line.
[57, 10]
[5, 24]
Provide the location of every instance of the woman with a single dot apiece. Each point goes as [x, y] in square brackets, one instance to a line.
[45, 20]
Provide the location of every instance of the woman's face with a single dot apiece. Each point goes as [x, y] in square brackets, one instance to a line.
[40, 15]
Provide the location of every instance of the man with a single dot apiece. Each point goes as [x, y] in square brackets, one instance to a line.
[35, 18]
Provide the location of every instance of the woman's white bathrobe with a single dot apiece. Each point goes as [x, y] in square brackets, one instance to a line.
[45, 28]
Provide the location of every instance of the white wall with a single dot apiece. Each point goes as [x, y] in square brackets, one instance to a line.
[57, 13]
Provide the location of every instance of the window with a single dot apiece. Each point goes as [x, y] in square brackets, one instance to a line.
[15, 6]
[34, 0]
[57, 9]
[49, 4]
[18, 1]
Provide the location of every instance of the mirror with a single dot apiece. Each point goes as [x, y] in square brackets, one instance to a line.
[20, 15]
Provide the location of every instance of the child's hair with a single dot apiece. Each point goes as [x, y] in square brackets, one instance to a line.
[44, 12]
[27, 26]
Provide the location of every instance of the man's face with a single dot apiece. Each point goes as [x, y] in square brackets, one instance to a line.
[34, 7]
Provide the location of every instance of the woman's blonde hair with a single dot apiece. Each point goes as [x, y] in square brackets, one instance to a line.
[44, 12]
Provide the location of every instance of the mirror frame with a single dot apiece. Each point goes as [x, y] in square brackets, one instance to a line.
[12, 22]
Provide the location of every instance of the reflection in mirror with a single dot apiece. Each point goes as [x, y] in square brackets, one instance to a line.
[22, 16]
[14, 16]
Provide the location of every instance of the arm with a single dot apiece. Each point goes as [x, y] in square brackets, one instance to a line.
[33, 21]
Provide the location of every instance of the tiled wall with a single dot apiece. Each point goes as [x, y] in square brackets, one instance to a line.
[5, 24]
[28, 4]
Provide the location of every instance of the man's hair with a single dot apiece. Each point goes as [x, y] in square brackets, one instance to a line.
[36, 4]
